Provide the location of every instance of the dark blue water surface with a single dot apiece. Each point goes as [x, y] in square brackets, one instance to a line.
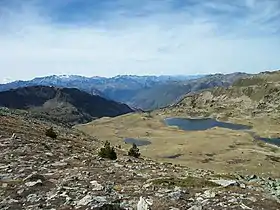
[138, 142]
[275, 141]
[189, 124]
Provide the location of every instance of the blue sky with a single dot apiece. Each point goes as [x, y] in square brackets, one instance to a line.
[111, 37]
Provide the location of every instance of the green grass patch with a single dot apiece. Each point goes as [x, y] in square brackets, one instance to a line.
[189, 182]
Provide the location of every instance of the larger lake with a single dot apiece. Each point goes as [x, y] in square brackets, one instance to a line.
[201, 124]
[189, 124]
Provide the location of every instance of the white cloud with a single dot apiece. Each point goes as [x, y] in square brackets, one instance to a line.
[5, 80]
[163, 42]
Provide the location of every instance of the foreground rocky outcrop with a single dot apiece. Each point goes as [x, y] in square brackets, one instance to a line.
[37, 172]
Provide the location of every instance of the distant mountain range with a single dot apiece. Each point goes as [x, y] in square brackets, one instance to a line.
[164, 94]
[63, 105]
[66, 81]
[144, 92]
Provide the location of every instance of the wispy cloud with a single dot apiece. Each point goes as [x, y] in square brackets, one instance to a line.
[137, 37]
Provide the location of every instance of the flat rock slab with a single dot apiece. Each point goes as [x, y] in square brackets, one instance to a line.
[225, 183]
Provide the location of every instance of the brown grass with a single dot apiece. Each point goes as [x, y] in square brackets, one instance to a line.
[235, 147]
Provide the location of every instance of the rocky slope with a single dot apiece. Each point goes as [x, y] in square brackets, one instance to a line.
[256, 95]
[65, 105]
[37, 172]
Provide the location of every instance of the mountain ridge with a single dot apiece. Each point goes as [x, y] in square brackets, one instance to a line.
[68, 105]
[163, 95]
[254, 95]
[143, 92]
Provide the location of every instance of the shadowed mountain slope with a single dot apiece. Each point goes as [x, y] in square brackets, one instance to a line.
[66, 105]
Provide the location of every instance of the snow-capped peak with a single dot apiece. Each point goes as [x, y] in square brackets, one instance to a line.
[64, 76]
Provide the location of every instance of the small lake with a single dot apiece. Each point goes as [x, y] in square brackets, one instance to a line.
[138, 142]
[189, 124]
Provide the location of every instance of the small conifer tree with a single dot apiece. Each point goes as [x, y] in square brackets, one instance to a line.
[107, 151]
[134, 151]
[51, 133]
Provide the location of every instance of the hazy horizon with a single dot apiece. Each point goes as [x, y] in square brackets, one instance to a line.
[148, 37]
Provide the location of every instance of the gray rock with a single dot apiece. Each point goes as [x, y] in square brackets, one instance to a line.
[11, 201]
[100, 199]
[195, 208]
[252, 177]
[31, 184]
[277, 193]
[127, 204]
[110, 171]
[14, 136]
[175, 195]
[96, 186]
[116, 165]
[164, 190]
[85, 201]
[209, 194]
[253, 199]
[49, 154]
[243, 186]
[233, 200]
[225, 183]
[144, 204]
[59, 164]
[33, 198]
[243, 206]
